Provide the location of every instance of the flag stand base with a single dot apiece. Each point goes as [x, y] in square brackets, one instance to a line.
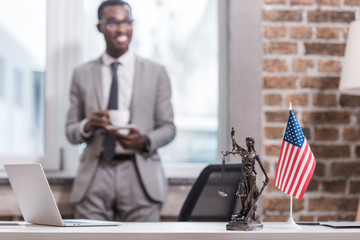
[291, 224]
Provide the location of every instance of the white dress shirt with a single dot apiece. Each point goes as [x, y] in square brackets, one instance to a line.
[126, 73]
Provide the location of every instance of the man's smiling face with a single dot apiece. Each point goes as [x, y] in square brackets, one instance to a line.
[116, 25]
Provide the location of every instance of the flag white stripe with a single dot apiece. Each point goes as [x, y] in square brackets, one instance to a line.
[305, 176]
[281, 161]
[300, 171]
[293, 171]
[292, 185]
[297, 180]
[285, 182]
[284, 164]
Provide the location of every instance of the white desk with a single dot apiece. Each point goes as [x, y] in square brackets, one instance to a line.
[174, 231]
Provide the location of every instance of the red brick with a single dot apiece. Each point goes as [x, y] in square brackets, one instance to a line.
[346, 169]
[326, 49]
[352, 2]
[274, 132]
[327, 32]
[351, 134]
[326, 134]
[281, 47]
[272, 150]
[329, 66]
[355, 186]
[301, 65]
[274, 65]
[324, 100]
[275, 1]
[297, 99]
[300, 32]
[277, 116]
[275, 218]
[282, 204]
[7, 218]
[307, 218]
[302, 2]
[307, 132]
[329, 117]
[334, 186]
[345, 31]
[321, 16]
[313, 185]
[330, 151]
[328, 2]
[319, 170]
[333, 204]
[279, 82]
[267, 166]
[274, 31]
[357, 151]
[320, 82]
[282, 15]
[272, 99]
[271, 187]
[349, 100]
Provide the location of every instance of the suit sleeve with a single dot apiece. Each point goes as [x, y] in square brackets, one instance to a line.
[76, 112]
[164, 130]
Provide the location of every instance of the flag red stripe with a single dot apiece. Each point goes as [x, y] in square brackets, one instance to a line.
[289, 172]
[286, 152]
[296, 172]
[288, 160]
[279, 163]
[302, 174]
[308, 178]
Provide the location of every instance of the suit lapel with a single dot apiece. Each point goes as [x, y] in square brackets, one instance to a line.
[98, 84]
[137, 89]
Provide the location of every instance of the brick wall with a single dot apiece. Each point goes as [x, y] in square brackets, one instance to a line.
[303, 48]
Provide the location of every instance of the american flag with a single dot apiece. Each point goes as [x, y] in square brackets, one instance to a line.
[296, 163]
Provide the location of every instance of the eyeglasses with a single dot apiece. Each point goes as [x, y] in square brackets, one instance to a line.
[111, 24]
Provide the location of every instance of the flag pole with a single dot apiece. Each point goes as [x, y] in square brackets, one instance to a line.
[291, 217]
[291, 223]
[287, 177]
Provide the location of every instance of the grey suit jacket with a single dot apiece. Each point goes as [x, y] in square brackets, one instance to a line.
[150, 109]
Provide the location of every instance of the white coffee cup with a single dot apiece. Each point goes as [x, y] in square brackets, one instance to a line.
[119, 118]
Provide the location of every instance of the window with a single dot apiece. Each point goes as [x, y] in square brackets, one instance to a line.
[18, 88]
[183, 36]
[2, 78]
[22, 67]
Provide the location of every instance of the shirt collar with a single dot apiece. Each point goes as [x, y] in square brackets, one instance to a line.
[127, 57]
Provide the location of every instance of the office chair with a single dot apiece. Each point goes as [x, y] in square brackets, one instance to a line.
[203, 202]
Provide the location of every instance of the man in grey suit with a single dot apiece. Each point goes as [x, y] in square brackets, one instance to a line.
[130, 184]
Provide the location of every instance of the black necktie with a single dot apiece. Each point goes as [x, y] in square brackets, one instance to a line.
[109, 141]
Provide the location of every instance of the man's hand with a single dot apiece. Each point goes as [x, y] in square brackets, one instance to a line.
[97, 120]
[133, 140]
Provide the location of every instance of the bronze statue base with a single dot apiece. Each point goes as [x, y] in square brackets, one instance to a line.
[239, 225]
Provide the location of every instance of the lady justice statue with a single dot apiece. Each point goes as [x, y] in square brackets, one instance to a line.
[248, 193]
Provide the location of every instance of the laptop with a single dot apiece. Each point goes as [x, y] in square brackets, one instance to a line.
[36, 201]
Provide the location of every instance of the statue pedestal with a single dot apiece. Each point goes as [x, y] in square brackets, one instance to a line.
[239, 225]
